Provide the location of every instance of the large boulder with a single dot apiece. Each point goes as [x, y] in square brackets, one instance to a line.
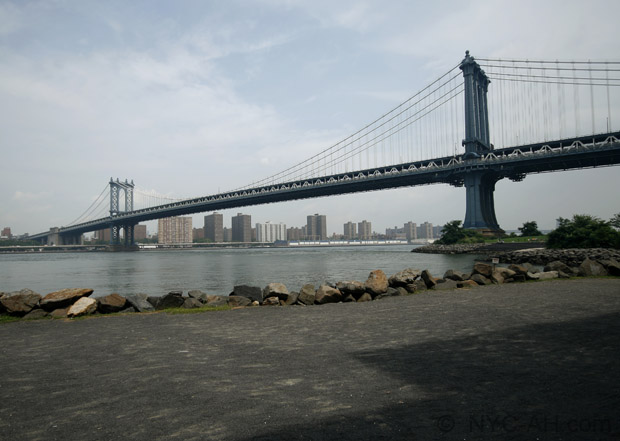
[191, 303]
[35, 314]
[351, 287]
[83, 306]
[111, 303]
[559, 266]
[446, 284]
[140, 302]
[613, 267]
[484, 269]
[20, 302]
[429, 280]
[480, 279]
[455, 275]
[236, 301]
[547, 275]
[518, 269]
[251, 292]
[216, 300]
[467, 284]
[174, 299]
[198, 295]
[63, 298]
[291, 299]
[365, 297]
[327, 294]
[404, 277]
[377, 282]
[278, 290]
[307, 294]
[271, 301]
[591, 268]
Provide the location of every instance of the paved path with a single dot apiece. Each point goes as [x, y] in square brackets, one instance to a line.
[528, 361]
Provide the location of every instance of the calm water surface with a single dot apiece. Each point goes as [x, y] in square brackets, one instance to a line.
[214, 271]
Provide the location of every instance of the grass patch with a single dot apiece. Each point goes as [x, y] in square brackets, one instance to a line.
[8, 318]
[205, 308]
[519, 239]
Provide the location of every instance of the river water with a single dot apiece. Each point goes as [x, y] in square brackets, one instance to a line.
[215, 271]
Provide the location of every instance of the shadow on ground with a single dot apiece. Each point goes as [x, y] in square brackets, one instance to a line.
[543, 381]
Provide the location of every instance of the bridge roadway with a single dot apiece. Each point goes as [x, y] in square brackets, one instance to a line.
[512, 162]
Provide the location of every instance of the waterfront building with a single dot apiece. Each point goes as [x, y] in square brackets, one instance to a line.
[350, 231]
[174, 230]
[411, 231]
[317, 227]
[227, 234]
[294, 233]
[395, 233]
[425, 231]
[242, 228]
[214, 227]
[198, 233]
[6, 233]
[270, 232]
[103, 235]
[364, 230]
[139, 232]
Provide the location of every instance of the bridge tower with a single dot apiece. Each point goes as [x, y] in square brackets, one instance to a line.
[118, 189]
[479, 184]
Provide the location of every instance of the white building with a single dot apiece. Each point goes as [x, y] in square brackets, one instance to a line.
[269, 232]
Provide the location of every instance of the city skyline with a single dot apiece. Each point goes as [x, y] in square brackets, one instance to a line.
[154, 94]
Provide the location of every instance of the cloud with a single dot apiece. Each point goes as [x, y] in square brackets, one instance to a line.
[24, 196]
[10, 18]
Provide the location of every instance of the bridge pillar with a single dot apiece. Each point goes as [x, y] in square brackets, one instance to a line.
[479, 185]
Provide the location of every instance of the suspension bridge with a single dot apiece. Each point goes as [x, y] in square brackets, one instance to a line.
[543, 116]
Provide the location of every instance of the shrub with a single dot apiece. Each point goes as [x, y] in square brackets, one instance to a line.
[583, 231]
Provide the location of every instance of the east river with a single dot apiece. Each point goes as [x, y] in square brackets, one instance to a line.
[214, 271]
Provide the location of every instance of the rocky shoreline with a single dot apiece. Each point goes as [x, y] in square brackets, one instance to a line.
[69, 303]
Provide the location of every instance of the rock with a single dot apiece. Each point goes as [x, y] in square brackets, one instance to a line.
[556, 265]
[484, 269]
[455, 275]
[218, 300]
[307, 295]
[174, 299]
[140, 302]
[351, 287]
[519, 278]
[196, 294]
[417, 286]
[111, 303]
[271, 301]
[63, 298]
[591, 268]
[497, 278]
[251, 292]
[393, 292]
[404, 277]
[20, 302]
[547, 275]
[35, 314]
[327, 294]
[153, 300]
[429, 280]
[531, 276]
[127, 310]
[291, 299]
[59, 313]
[236, 301]
[278, 290]
[402, 291]
[518, 269]
[349, 298]
[411, 287]
[480, 279]
[83, 306]
[447, 284]
[365, 297]
[377, 282]
[505, 272]
[613, 268]
[466, 284]
[192, 303]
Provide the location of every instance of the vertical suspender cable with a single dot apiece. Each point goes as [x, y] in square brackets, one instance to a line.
[591, 96]
[608, 103]
[576, 101]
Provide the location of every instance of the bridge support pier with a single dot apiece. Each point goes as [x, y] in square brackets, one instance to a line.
[480, 205]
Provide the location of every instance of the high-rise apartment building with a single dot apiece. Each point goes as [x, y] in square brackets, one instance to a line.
[6, 233]
[214, 227]
[426, 231]
[316, 228]
[294, 233]
[364, 230]
[411, 231]
[174, 230]
[139, 233]
[242, 228]
[269, 232]
[227, 234]
[350, 231]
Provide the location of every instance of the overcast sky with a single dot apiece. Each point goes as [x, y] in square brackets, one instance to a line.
[191, 97]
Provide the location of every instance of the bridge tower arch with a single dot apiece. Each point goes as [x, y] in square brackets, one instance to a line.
[479, 184]
[121, 190]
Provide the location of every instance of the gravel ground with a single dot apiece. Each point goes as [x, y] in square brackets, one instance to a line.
[519, 361]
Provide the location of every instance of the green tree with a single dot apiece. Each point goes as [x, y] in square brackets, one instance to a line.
[452, 233]
[583, 231]
[615, 221]
[530, 229]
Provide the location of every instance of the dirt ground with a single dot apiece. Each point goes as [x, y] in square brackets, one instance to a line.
[522, 361]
